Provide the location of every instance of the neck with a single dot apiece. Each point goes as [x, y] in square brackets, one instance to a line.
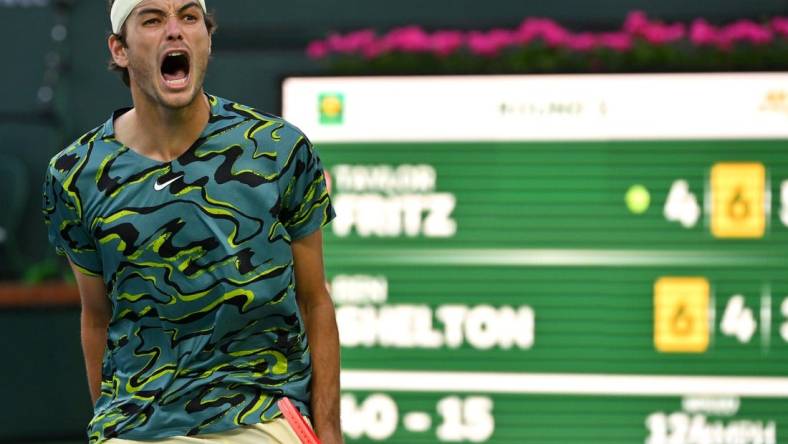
[159, 132]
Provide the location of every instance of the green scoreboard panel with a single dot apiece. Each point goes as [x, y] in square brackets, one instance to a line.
[557, 259]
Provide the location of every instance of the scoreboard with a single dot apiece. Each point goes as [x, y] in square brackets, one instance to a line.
[557, 259]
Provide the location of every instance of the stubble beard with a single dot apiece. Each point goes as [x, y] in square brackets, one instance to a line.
[147, 81]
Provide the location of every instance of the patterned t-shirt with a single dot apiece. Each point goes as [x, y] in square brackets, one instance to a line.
[195, 253]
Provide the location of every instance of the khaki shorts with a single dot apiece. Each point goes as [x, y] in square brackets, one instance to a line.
[277, 431]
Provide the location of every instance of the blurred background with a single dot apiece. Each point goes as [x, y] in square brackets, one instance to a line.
[591, 249]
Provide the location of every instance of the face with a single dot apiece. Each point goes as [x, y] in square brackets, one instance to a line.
[167, 51]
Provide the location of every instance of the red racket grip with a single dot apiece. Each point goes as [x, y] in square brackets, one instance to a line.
[296, 421]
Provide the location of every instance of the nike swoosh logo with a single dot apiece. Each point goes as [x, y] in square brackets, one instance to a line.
[158, 187]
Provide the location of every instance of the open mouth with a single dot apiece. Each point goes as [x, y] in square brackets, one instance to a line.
[175, 68]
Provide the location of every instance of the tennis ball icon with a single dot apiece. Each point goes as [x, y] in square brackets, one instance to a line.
[331, 106]
[637, 199]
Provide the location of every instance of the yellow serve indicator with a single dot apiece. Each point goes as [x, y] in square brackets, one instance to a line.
[738, 200]
[681, 314]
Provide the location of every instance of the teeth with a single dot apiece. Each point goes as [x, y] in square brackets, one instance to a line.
[175, 54]
[176, 83]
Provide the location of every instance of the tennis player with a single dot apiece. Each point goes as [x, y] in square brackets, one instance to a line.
[193, 225]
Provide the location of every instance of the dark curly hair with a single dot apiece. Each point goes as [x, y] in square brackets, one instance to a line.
[210, 23]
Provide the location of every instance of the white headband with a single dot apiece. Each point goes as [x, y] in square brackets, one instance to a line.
[122, 8]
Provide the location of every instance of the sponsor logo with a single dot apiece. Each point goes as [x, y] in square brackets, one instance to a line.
[160, 186]
[775, 101]
[331, 107]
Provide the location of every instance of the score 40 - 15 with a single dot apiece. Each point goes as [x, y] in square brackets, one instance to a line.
[378, 417]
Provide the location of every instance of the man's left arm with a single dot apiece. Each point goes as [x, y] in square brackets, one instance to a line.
[317, 311]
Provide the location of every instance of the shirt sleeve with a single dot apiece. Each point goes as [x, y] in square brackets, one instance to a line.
[306, 205]
[65, 228]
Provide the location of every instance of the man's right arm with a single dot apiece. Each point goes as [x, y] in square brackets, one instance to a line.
[94, 320]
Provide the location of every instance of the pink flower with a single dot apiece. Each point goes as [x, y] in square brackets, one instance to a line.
[490, 43]
[502, 37]
[637, 25]
[744, 30]
[350, 43]
[618, 41]
[359, 39]
[444, 43]
[555, 35]
[674, 32]
[375, 48]
[702, 33]
[317, 49]
[636, 22]
[527, 31]
[581, 42]
[408, 39]
[336, 42]
[658, 33]
[654, 32]
[551, 32]
[780, 25]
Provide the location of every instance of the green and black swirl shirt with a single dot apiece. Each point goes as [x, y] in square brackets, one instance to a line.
[205, 332]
